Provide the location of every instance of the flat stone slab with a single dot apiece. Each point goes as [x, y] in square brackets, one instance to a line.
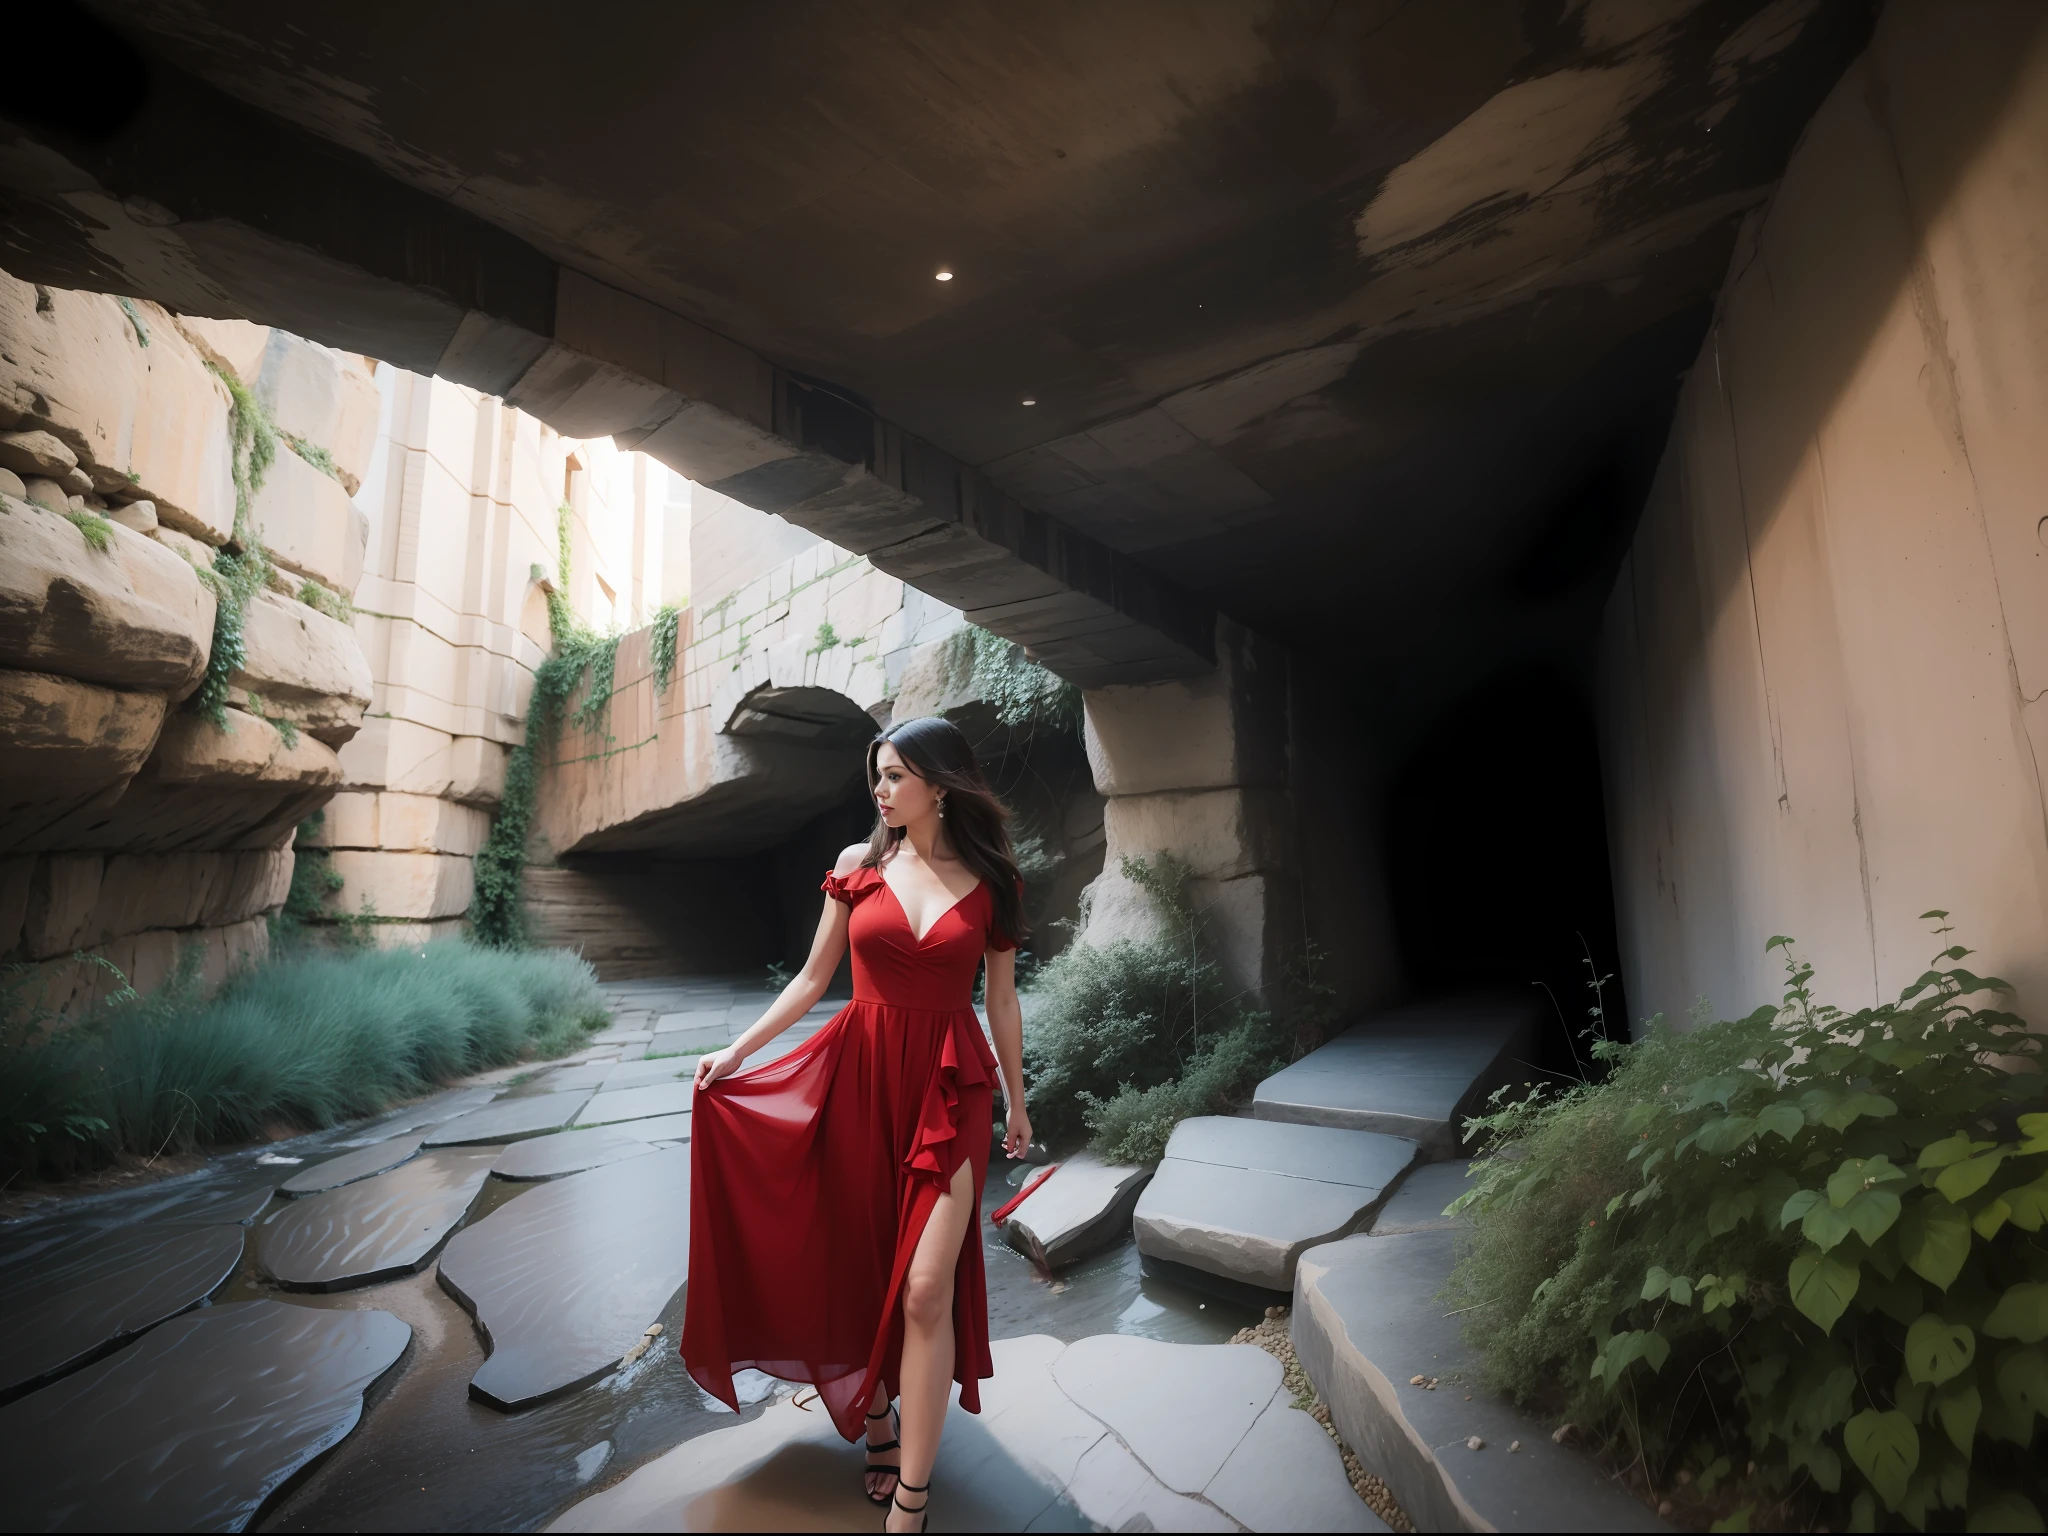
[622, 1037]
[375, 1228]
[193, 1427]
[1418, 1071]
[363, 1163]
[1082, 1207]
[1035, 1459]
[1365, 1320]
[66, 1298]
[656, 1128]
[564, 1280]
[1417, 1204]
[1243, 1198]
[428, 1112]
[638, 1074]
[587, 1074]
[695, 1018]
[510, 1119]
[672, 1098]
[553, 1157]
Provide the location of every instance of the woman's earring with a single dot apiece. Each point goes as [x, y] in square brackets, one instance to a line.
[942, 810]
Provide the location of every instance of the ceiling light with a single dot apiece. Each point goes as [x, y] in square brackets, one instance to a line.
[1030, 402]
[944, 274]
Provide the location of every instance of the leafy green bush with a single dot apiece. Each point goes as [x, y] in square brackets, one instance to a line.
[304, 1041]
[1127, 1039]
[1807, 1244]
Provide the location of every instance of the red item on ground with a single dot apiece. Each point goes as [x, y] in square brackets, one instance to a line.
[1002, 1212]
[812, 1176]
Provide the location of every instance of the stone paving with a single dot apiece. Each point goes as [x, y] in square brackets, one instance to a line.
[490, 1281]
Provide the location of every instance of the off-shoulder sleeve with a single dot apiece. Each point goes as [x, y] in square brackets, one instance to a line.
[849, 889]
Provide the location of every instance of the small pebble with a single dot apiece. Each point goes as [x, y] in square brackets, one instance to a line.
[1514, 1445]
[1664, 1509]
[1475, 1444]
[1416, 1381]
[1562, 1433]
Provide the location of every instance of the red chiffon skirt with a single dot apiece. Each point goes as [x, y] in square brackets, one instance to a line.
[812, 1176]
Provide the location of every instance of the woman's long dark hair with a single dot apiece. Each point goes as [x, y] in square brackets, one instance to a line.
[977, 823]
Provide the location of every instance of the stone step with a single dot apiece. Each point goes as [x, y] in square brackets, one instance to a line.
[1242, 1198]
[1367, 1321]
[1416, 1071]
[1082, 1207]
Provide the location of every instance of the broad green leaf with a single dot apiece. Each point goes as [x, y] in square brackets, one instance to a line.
[1656, 1349]
[1614, 1205]
[1780, 1120]
[1738, 1521]
[1727, 1212]
[2028, 1205]
[1656, 1282]
[1961, 1180]
[1853, 1107]
[2021, 1313]
[1886, 1448]
[1910, 1398]
[1822, 1286]
[1798, 1205]
[1923, 1496]
[1952, 1149]
[2002, 1509]
[1872, 1213]
[1681, 1290]
[1934, 1240]
[1988, 1220]
[1863, 1512]
[2005, 1421]
[2035, 1129]
[1860, 1173]
[1938, 1350]
[2022, 1377]
[1728, 1133]
[1959, 1407]
[1955, 1481]
[1818, 1459]
[1717, 1292]
[1825, 1227]
[1897, 1296]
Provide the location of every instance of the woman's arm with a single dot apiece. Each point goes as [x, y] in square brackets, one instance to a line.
[803, 991]
[1006, 1023]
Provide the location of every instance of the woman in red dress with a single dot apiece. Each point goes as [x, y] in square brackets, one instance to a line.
[834, 1192]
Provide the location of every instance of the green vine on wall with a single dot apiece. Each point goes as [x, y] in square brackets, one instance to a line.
[661, 645]
[242, 567]
[1022, 693]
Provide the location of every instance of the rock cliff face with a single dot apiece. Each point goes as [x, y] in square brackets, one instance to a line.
[132, 825]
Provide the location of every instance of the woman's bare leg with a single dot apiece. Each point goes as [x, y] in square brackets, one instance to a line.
[927, 1381]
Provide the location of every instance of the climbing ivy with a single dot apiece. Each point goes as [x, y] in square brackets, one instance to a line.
[661, 645]
[314, 455]
[1022, 693]
[242, 567]
[97, 532]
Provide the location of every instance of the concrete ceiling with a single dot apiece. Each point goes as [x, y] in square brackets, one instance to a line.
[1359, 319]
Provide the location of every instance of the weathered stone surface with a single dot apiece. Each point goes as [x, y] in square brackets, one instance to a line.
[1417, 1204]
[44, 492]
[509, 1120]
[421, 886]
[402, 823]
[637, 1074]
[1417, 1071]
[135, 616]
[38, 453]
[306, 667]
[1082, 1207]
[63, 896]
[657, 1128]
[195, 752]
[187, 890]
[1365, 1320]
[143, 421]
[235, 345]
[638, 1103]
[1181, 1408]
[193, 1427]
[429, 1111]
[67, 742]
[375, 1228]
[1243, 1198]
[365, 1163]
[138, 515]
[563, 1280]
[309, 524]
[12, 484]
[321, 396]
[552, 1157]
[147, 960]
[66, 1296]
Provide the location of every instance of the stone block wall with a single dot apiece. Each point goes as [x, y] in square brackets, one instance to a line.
[131, 827]
[461, 497]
[1826, 659]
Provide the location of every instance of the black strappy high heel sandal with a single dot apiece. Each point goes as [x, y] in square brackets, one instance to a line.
[924, 1509]
[881, 1501]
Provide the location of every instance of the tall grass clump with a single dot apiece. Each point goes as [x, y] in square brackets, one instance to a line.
[1129, 1038]
[1791, 1270]
[302, 1042]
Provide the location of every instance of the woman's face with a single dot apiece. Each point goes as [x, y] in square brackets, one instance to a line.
[900, 795]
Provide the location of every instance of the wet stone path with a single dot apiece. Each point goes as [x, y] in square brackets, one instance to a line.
[462, 1316]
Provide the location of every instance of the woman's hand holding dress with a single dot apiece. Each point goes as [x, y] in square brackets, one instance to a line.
[718, 1064]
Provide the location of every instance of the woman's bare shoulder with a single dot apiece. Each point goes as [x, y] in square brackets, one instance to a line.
[849, 859]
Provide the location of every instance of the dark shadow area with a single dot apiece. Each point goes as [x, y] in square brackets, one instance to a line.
[1497, 855]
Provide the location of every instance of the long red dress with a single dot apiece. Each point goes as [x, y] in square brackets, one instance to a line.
[812, 1176]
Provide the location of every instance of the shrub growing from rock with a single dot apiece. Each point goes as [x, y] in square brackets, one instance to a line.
[1791, 1267]
[304, 1041]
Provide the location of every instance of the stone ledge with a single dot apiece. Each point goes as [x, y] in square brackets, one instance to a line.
[1366, 1320]
[1081, 1208]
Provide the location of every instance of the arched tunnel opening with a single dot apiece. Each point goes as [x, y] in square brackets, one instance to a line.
[1495, 839]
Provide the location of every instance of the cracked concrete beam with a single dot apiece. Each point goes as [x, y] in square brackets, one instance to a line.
[294, 232]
